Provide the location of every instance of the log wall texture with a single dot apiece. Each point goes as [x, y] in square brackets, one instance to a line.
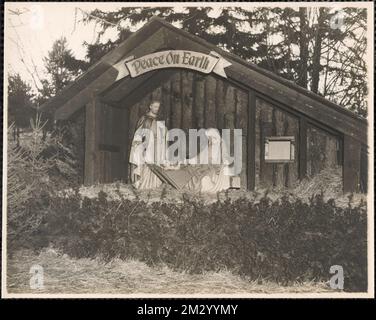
[190, 100]
[272, 121]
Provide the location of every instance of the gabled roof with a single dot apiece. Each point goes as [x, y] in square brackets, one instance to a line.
[157, 35]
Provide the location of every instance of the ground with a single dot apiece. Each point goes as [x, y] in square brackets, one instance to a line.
[63, 274]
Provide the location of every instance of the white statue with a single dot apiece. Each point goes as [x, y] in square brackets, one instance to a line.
[211, 176]
[144, 148]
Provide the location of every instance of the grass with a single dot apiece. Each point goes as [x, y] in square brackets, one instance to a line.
[65, 275]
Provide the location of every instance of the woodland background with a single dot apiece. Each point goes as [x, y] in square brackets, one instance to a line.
[320, 49]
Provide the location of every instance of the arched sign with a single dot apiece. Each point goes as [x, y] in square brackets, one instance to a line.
[205, 63]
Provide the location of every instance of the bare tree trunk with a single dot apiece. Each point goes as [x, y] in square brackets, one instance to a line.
[326, 73]
[316, 66]
[303, 79]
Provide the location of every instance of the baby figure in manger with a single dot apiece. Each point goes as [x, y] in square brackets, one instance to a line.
[210, 172]
[207, 172]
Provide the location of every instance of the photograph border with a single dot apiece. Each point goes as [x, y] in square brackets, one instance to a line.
[370, 197]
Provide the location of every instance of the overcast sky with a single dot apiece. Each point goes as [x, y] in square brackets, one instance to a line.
[31, 29]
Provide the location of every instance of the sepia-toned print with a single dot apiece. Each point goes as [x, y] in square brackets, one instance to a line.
[188, 150]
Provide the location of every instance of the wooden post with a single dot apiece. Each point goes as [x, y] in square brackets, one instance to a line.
[91, 141]
[242, 123]
[124, 151]
[351, 164]
[199, 101]
[251, 143]
[364, 169]
[210, 98]
[302, 148]
[176, 101]
[187, 100]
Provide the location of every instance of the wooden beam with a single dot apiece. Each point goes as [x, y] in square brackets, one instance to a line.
[107, 78]
[124, 87]
[364, 169]
[351, 164]
[85, 95]
[91, 141]
[302, 148]
[103, 64]
[154, 82]
[124, 151]
[266, 168]
[251, 143]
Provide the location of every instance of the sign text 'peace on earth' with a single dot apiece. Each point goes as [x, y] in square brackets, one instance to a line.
[172, 59]
[186, 59]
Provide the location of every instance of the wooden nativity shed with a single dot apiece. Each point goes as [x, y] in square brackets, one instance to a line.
[288, 132]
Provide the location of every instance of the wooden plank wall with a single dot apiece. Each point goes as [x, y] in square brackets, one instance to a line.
[192, 100]
[364, 169]
[91, 142]
[322, 150]
[272, 121]
[76, 125]
[106, 141]
[351, 164]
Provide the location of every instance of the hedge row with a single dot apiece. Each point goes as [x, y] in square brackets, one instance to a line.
[281, 241]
